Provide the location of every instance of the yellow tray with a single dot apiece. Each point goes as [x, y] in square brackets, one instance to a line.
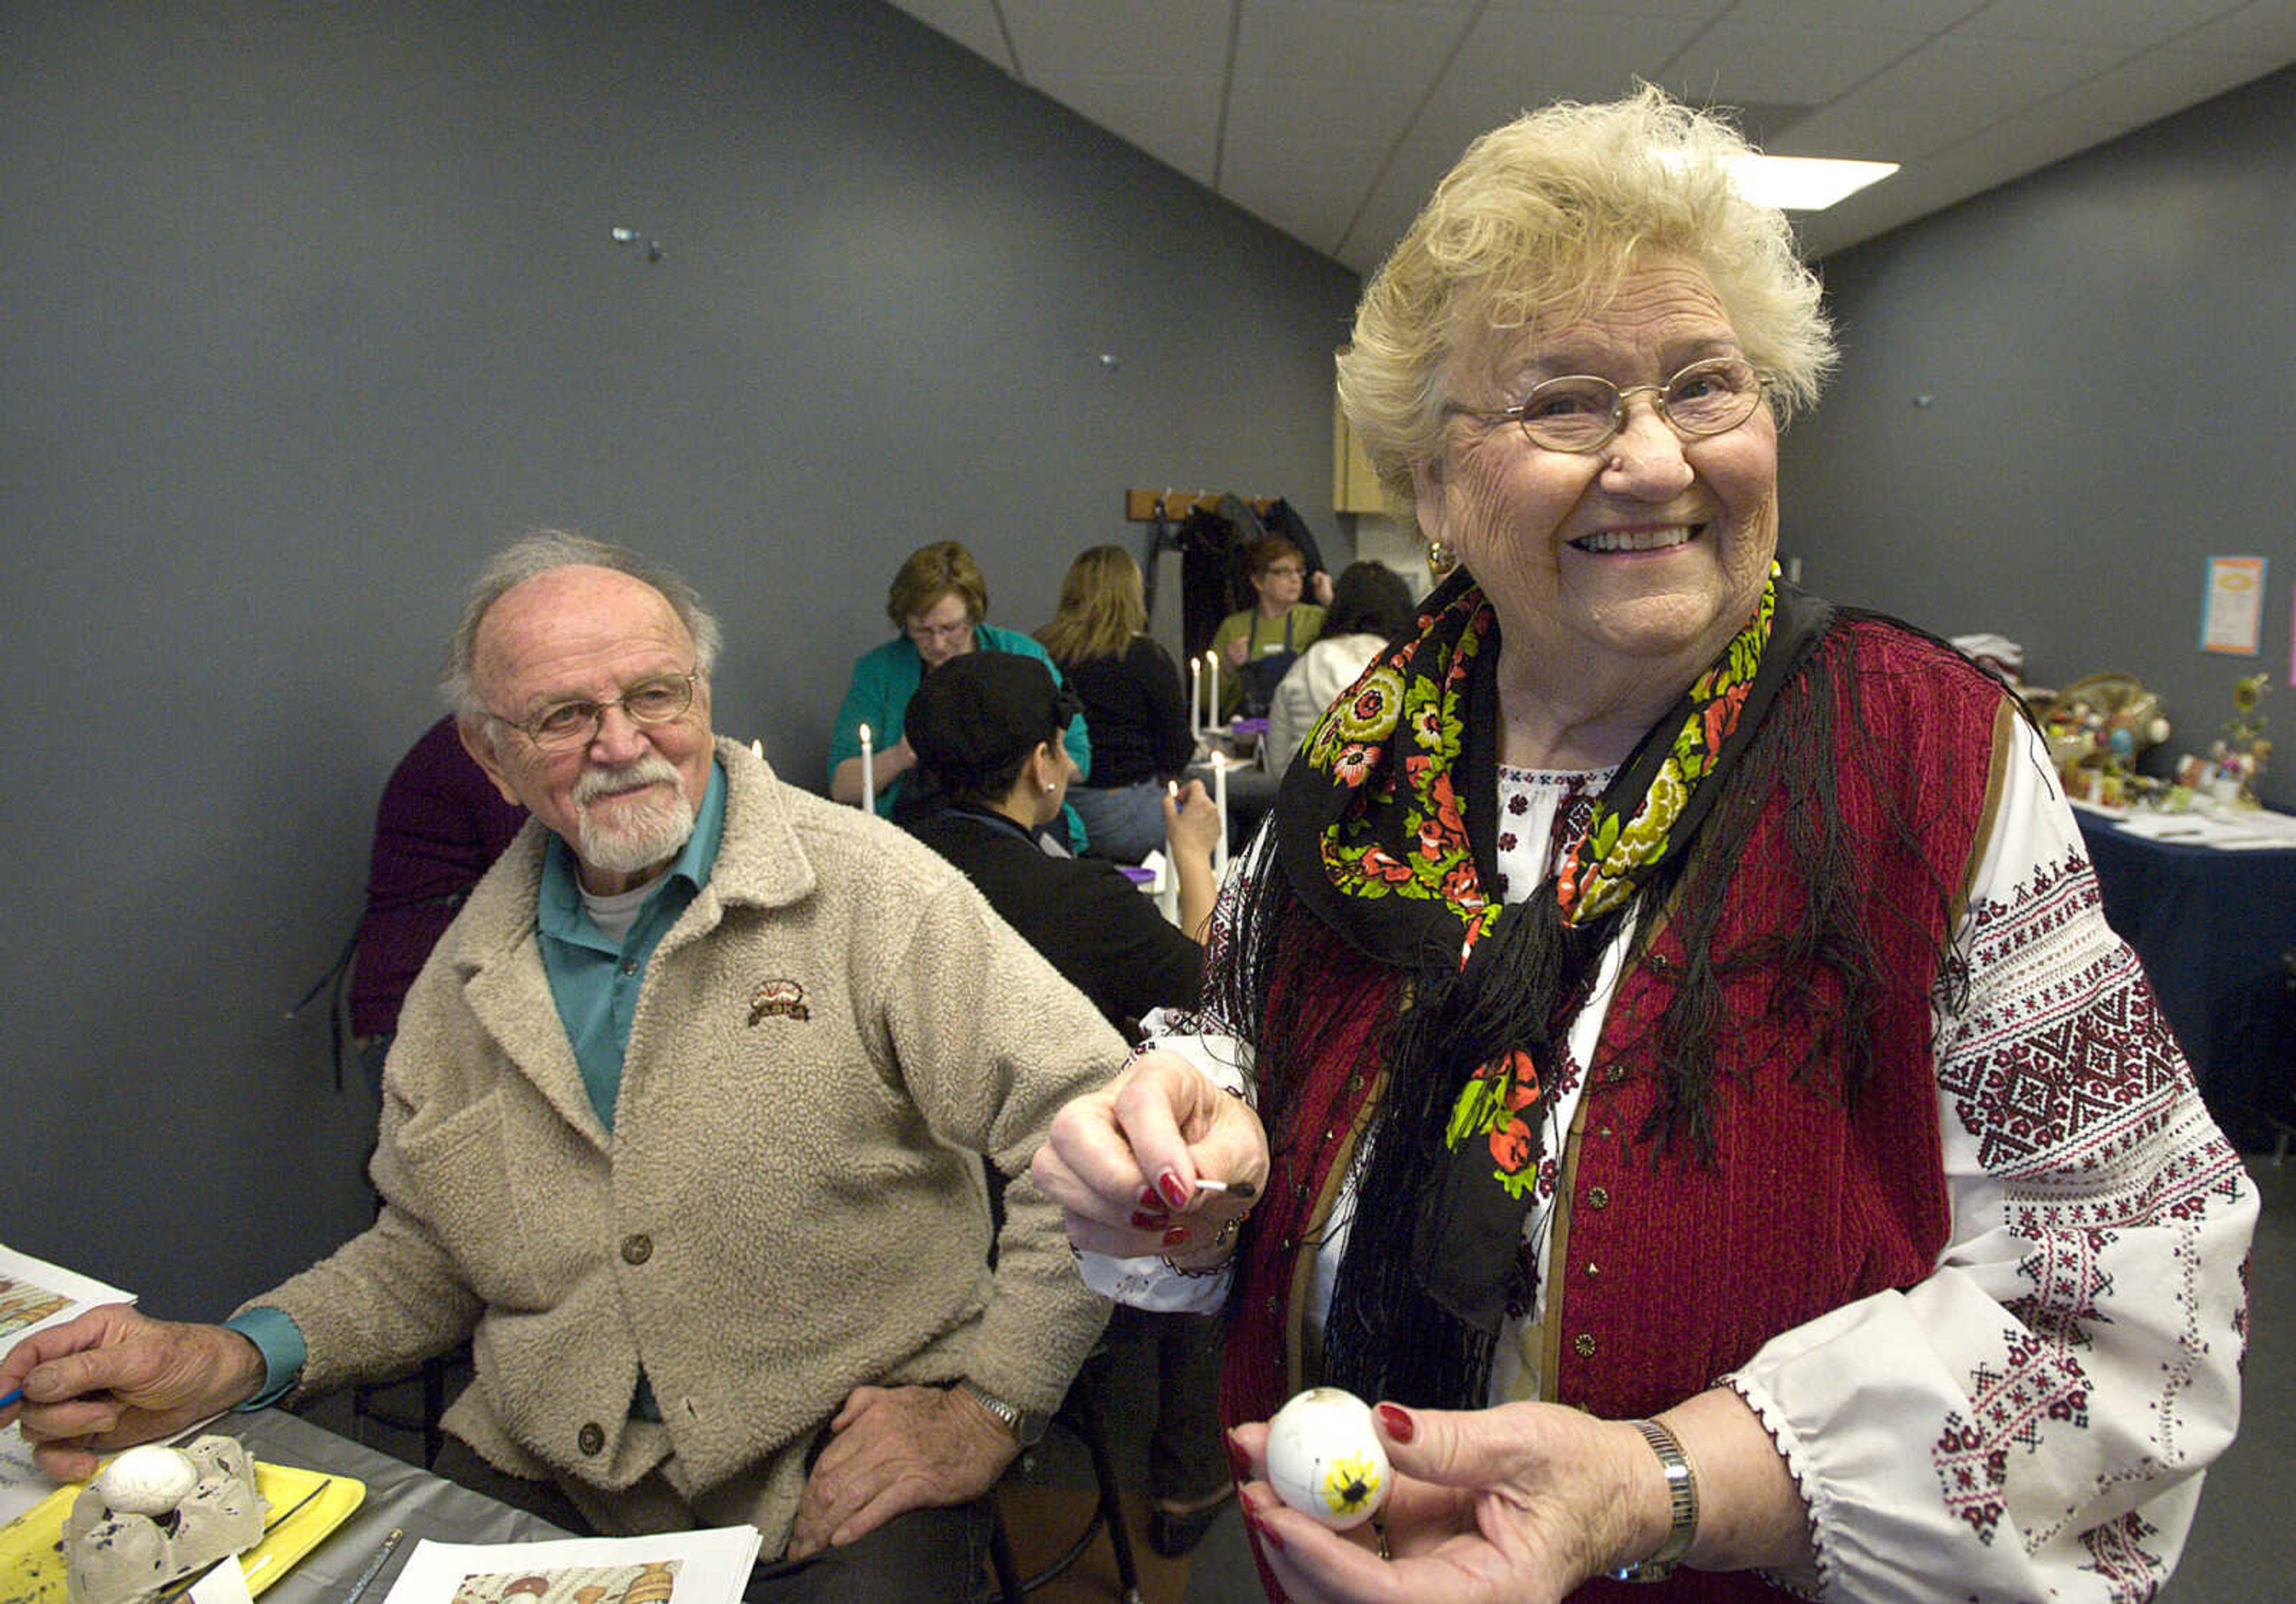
[31, 1545]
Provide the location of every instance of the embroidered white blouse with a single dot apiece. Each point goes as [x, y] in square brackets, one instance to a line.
[2031, 1420]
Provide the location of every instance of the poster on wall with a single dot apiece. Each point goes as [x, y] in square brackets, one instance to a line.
[2232, 610]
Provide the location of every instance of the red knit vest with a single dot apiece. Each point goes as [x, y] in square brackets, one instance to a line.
[1671, 1272]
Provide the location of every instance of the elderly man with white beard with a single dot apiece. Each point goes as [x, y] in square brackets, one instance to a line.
[679, 1131]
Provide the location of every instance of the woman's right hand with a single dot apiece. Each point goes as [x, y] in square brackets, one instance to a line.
[1192, 825]
[1516, 1504]
[1122, 1162]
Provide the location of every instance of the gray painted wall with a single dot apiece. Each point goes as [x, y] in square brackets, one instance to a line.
[308, 307]
[2029, 498]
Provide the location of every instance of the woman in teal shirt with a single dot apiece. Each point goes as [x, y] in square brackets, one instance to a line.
[937, 601]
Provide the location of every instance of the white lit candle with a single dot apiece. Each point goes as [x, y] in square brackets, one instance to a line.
[1219, 804]
[757, 750]
[1195, 696]
[868, 775]
[1211, 702]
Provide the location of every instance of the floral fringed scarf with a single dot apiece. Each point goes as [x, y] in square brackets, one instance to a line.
[1384, 829]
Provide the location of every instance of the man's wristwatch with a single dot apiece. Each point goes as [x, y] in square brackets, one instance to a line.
[1026, 1425]
[1682, 1495]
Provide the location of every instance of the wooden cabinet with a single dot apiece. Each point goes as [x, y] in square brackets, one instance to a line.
[1355, 484]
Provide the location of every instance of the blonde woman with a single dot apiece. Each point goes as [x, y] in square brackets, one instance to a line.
[1132, 705]
[1694, 1093]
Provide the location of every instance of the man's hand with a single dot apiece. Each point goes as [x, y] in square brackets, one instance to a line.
[893, 1450]
[113, 1378]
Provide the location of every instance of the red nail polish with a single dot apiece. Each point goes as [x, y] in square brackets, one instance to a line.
[1143, 1221]
[1149, 1200]
[1397, 1424]
[1175, 1194]
[1175, 1236]
[1268, 1533]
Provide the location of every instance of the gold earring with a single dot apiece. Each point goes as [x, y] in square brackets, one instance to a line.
[1440, 559]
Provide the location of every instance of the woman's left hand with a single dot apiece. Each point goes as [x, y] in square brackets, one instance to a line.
[1518, 1503]
[1319, 586]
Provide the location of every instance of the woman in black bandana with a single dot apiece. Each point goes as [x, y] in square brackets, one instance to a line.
[1684, 1074]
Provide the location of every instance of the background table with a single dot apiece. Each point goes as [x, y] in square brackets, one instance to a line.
[2210, 925]
[397, 1494]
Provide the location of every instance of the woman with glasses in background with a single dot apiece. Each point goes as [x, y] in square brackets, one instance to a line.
[1257, 646]
[937, 602]
[1691, 1088]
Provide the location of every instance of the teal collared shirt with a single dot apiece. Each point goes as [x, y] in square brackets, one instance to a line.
[595, 981]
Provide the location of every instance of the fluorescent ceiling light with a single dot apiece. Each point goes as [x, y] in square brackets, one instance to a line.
[1804, 182]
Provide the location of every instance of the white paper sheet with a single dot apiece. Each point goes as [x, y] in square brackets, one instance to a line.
[706, 1567]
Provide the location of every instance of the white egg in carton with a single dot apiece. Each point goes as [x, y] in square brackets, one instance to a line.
[155, 1515]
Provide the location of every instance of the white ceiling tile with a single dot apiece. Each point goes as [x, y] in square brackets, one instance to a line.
[1302, 115]
[2143, 89]
[2265, 29]
[1513, 13]
[1404, 44]
[1920, 16]
[1731, 63]
[1174, 119]
[1057, 38]
[1513, 63]
[1313, 202]
[1982, 80]
[2123, 24]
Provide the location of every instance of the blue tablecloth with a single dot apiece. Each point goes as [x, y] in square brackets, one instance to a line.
[2209, 927]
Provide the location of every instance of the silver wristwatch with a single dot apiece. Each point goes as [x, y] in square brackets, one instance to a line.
[1026, 1425]
[1682, 1500]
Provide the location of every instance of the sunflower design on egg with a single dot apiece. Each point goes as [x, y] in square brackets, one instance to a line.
[1324, 1459]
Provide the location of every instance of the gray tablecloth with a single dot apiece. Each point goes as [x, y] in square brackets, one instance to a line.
[397, 1494]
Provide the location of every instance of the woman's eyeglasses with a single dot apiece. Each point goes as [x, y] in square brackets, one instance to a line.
[1581, 412]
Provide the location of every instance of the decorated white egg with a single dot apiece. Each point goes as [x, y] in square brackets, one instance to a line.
[150, 1480]
[1325, 1459]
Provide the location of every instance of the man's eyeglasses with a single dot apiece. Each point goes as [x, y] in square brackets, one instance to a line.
[563, 726]
[1581, 412]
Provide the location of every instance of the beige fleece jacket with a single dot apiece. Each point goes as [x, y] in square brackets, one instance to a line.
[787, 1206]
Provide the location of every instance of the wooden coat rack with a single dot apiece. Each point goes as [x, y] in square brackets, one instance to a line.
[1140, 505]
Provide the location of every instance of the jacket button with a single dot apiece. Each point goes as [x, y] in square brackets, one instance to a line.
[591, 1438]
[1598, 1196]
[637, 1249]
[1603, 1132]
[1583, 1345]
[1592, 1271]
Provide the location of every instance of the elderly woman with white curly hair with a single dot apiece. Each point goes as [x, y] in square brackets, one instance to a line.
[1687, 1080]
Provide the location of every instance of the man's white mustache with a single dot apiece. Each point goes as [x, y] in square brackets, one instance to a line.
[598, 783]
